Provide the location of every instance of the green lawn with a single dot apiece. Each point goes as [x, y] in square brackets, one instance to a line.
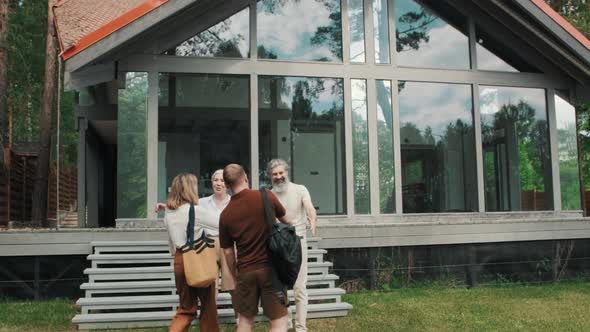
[555, 307]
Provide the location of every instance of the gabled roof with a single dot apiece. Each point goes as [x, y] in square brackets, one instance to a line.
[83, 23]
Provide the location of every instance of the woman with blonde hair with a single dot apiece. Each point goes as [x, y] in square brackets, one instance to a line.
[183, 195]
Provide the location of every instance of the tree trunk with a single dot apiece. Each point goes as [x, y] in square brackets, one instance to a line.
[39, 213]
[3, 81]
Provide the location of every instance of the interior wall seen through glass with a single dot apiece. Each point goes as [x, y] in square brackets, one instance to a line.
[385, 147]
[301, 120]
[439, 171]
[381, 31]
[132, 147]
[426, 39]
[567, 143]
[356, 30]
[517, 158]
[204, 126]
[229, 38]
[304, 30]
[360, 147]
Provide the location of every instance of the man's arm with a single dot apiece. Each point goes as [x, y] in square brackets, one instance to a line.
[284, 220]
[230, 258]
[311, 214]
[309, 208]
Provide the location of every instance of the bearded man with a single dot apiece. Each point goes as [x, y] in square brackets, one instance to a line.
[300, 211]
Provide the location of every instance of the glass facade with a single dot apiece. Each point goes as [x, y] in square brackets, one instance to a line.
[202, 126]
[356, 30]
[229, 38]
[495, 56]
[360, 147]
[567, 143]
[386, 147]
[305, 30]
[325, 123]
[439, 172]
[517, 158]
[301, 120]
[425, 39]
[381, 31]
[132, 147]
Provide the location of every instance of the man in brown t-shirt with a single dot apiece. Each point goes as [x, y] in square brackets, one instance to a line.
[242, 223]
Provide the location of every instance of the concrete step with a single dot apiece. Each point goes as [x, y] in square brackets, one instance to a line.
[130, 258]
[312, 242]
[162, 318]
[113, 286]
[163, 301]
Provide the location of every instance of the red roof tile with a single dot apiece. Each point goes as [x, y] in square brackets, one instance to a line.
[77, 18]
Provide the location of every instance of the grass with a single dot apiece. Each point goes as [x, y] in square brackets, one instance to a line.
[554, 307]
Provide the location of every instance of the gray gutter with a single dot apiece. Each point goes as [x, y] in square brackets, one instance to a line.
[558, 31]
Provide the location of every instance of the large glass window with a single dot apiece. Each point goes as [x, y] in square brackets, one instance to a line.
[385, 142]
[515, 138]
[301, 119]
[494, 55]
[299, 30]
[203, 125]
[381, 30]
[356, 30]
[567, 141]
[360, 147]
[437, 147]
[132, 147]
[228, 38]
[425, 39]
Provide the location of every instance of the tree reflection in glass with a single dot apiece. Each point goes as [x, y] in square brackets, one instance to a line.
[356, 30]
[437, 148]
[381, 31]
[228, 38]
[567, 143]
[301, 120]
[424, 39]
[515, 138]
[360, 147]
[132, 147]
[385, 142]
[305, 30]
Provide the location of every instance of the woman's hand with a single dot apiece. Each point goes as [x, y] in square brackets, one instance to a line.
[160, 207]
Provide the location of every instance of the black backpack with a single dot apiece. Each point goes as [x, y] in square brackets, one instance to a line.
[284, 247]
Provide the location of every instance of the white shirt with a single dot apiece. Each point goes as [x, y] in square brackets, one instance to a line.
[177, 220]
[209, 204]
[292, 198]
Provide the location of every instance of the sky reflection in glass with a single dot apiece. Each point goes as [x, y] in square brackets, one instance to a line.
[305, 30]
[425, 39]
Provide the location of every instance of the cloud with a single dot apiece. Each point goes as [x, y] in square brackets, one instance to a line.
[288, 31]
[435, 105]
[447, 48]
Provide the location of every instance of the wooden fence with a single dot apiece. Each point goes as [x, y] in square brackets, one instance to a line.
[22, 177]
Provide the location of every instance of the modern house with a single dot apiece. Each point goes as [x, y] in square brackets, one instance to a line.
[411, 122]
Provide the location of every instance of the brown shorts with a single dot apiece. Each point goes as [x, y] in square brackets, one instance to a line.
[257, 285]
[227, 280]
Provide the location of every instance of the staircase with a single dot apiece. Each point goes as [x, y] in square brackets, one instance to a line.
[131, 284]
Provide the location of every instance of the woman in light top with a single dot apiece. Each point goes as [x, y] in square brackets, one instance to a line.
[220, 198]
[183, 194]
[215, 204]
